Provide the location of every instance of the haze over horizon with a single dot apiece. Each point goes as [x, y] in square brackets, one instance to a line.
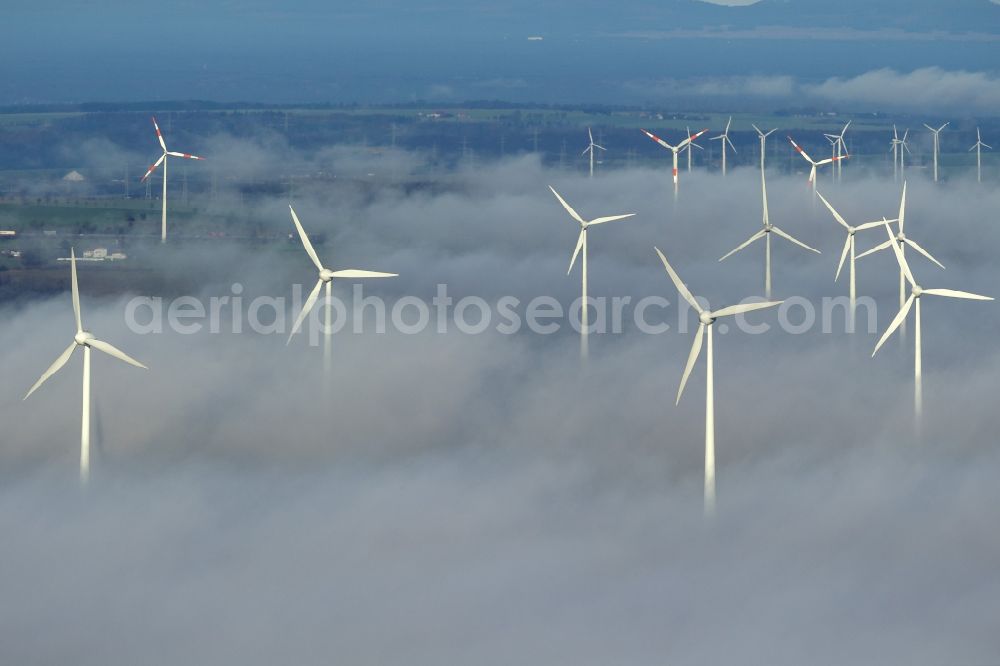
[396, 52]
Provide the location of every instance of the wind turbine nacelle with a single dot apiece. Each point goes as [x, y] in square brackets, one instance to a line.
[326, 275]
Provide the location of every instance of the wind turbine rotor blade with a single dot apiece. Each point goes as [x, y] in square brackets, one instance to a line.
[843, 258]
[756, 128]
[586, 150]
[987, 146]
[576, 252]
[951, 293]
[185, 156]
[681, 287]
[872, 225]
[788, 237]
[902, 209]
[305, 239]
[159, 135]
[943, 126]
[801, 152]
[658, 140]
[692, 358]
[569, 209]
[900, 258]
[114, 351]
[730, 142]
[756, 236]
[610, 218]
[590, 135]
[306, 307]
[599, 147]
[691, 138]
[836, 215]
[928, 127]
[75, 287]
[915, 246]
[877, 248]
[53, 369]
[744, 308]
[151, 169]
[358, 273]
[900, 316]
[812, 174]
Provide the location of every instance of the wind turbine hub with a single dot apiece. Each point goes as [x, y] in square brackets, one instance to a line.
[851, 231]
[901, 237]
[82, 338]
[917, 291]
[706, 318]
[326, 275]
[767, 229]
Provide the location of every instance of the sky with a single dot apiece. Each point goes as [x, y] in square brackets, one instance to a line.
[484, 498]
[448, 52]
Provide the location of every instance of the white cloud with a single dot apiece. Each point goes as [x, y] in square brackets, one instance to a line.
[925, 88]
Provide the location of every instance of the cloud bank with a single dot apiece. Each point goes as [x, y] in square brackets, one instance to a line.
[487, 499]
[929, 89]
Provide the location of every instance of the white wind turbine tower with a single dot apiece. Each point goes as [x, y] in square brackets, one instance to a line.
[86, 340]
[979, 162]
[765, 233]
[163, 161]
[325, 278]
[581, 246]
[937, 146]
[763, 143]
[916, 291]
[706, 319]
[903, 240]
[674, 149]
[813, 163]
[590, 149]
[724, 139]
[688, 148]
[849, 247]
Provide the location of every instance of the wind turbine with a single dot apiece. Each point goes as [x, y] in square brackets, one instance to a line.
[763, 143]
[87, 341]
[688, 148]
[581, 245]
[916, 291]
[937, 146]
[163, 161]
[765, 233]
[903, 240]
[894, 146]
[674, 149]
[813, 163]
[325, 278]
[706, 319]
[979, 162]
[839, 148]
[590, 149]
[904, 148]
[724, 139]
[849, 245]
